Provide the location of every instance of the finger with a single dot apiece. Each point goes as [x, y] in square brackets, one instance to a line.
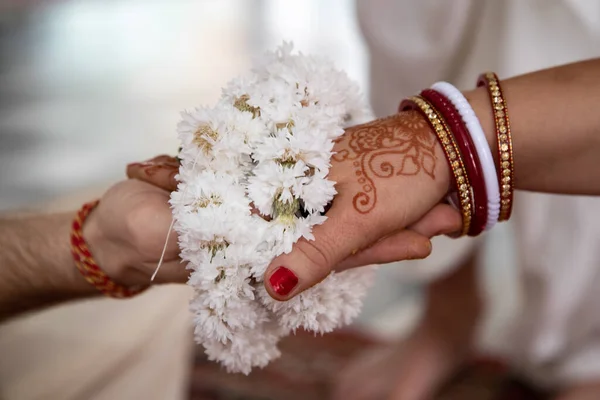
[173, 271]
[404, 245]
[159, 171]
[410, 244]
[309, 262]
[443, 219]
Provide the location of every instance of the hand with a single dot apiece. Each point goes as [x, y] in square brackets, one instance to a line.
[159, 171]
[127, 232]
[413, 369]
[411, 243]
[389, 174]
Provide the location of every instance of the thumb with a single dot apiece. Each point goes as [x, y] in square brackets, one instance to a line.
[309, 262]
[338, 241]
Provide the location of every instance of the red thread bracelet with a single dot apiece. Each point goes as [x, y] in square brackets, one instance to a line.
[469, 154]
[85, 261]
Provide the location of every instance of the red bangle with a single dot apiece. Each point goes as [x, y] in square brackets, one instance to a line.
[85, 261]
[469, 155]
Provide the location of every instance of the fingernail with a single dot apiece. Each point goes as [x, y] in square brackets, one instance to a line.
[283, 281]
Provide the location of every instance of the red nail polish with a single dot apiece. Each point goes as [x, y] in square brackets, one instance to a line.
[283, 281]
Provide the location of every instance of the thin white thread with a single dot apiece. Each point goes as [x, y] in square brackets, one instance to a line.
[164, 250]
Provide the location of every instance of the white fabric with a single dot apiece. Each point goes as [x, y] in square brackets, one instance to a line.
[414, 44]
[101, 349]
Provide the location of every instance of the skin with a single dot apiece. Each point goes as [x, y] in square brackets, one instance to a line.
[126, 234]
[127, 230]
[415, 368]
[556, 144]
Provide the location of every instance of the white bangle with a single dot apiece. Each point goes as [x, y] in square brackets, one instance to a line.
[481, 145]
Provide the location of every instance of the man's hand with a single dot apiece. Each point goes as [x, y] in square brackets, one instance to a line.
[127, 233]
[397, 244]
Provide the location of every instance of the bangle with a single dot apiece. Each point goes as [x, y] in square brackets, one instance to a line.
[483, 149]
[505, 151]
[451, 151]
[85, 261]
[469, 155]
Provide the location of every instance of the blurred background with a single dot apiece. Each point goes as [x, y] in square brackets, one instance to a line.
[87, 86]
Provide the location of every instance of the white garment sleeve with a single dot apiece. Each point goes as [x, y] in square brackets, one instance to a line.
[412, 44]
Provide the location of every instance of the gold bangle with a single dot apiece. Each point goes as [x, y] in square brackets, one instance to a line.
[505, 151]
[452, 153]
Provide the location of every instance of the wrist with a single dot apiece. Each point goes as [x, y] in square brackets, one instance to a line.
[422, 128]
[112, 280]
[103, 250]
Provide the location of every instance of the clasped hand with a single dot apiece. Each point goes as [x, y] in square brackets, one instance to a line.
[390, 175]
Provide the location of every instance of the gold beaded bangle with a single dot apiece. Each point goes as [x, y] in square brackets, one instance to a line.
[505, 151]
[452, 153]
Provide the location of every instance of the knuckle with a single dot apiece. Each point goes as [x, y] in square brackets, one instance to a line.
[450, 219]
[137, 229]
[319, 255]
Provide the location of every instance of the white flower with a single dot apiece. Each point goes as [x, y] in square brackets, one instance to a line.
[316, 193]
[209, 190]
[254, 348]
[334, 302]
[274, 182]
[238, 87]
[208, 140]
[265, 147]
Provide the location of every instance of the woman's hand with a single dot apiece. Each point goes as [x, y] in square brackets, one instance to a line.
[389, 174]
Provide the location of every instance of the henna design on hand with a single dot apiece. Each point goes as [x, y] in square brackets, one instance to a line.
[155, 165]
[399, 145]
[160, 163]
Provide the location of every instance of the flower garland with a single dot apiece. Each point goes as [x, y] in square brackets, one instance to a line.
[253, 181]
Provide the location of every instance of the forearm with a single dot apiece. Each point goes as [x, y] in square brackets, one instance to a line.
[555, 127]
[36, 267]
